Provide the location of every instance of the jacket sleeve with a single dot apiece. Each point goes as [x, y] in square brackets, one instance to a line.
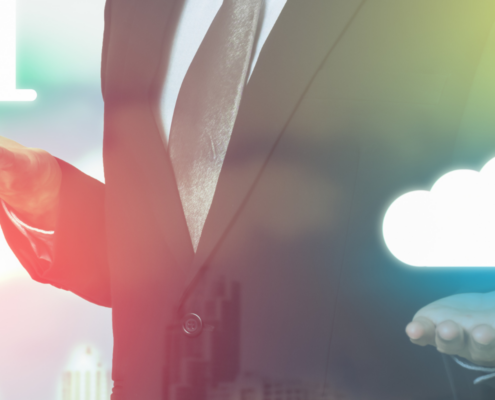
[41, 241]
[79, 253]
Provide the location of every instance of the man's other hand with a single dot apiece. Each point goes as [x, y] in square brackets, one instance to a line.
[29, 183]
[461, 325]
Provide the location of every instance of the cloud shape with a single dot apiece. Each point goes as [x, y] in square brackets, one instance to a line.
[453, 225]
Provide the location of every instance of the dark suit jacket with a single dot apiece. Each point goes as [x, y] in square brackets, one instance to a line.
[352, 103]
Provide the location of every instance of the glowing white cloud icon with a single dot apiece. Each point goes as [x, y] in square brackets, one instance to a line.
[453, 225]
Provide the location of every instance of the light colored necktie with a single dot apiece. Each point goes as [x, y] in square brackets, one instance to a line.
[207, 107]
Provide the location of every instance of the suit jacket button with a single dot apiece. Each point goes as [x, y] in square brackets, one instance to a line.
[192, 325]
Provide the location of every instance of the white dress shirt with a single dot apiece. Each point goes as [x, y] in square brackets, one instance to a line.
[194, 22]
[196, 18]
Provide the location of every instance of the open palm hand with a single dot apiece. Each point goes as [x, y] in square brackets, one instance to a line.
[462, 325]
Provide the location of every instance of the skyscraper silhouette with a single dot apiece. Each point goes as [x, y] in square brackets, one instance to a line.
[85, 378]
[197, 366]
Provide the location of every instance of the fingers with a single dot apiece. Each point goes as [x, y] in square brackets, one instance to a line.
[421, 331]
[481, 345]
[450, 338]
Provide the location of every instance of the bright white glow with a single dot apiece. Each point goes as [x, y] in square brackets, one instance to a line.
[453, 225]
[10, 267]
[92, 164]
[64, 39]
[8, 91]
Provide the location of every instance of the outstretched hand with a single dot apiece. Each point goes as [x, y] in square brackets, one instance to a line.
[30, 183]
[460, 325]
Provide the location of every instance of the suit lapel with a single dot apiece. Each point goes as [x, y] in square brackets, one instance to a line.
[140, 35]
[301, 40]
[303, 36]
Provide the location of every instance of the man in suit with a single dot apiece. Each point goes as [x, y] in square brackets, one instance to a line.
[275, 283]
